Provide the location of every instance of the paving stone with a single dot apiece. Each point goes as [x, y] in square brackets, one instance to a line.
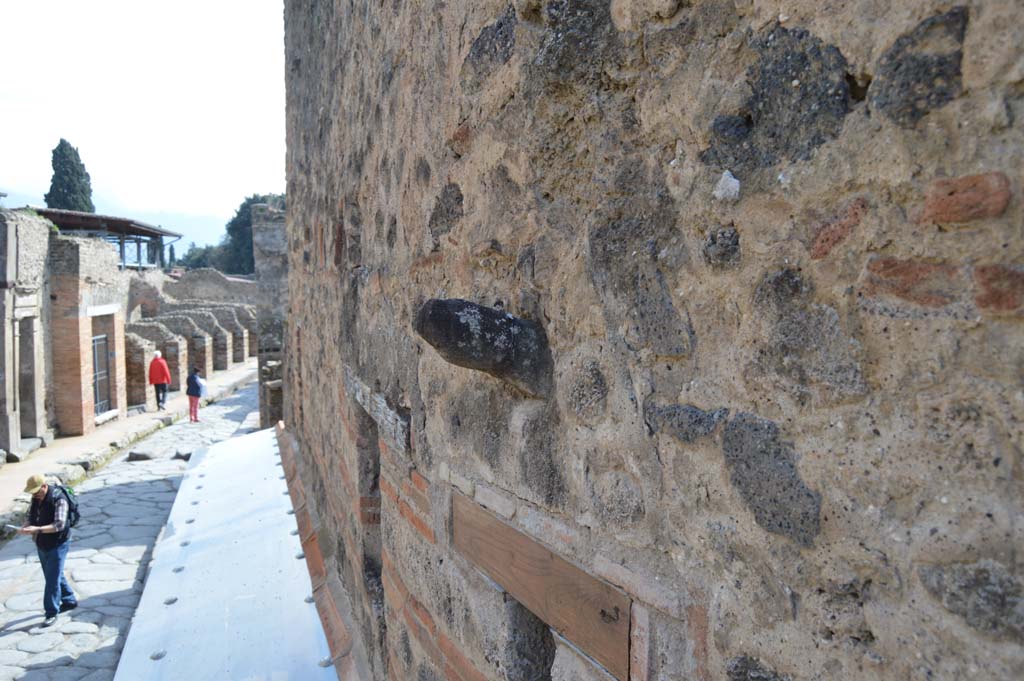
[72, 627]
[23, 621]
[100, 659]
[109, 588]
[49, 658]
[127, 554]
[133, 532]
[100, 675]
[114, 642]
[10, 673]
[40, 642]
[113, 627]
[78, 642]
[99, 541]
[89, 615]
[64, 674]
[26, 602]
[21, 571]
[127, 601]
[12, 656]
[11, 640]
[105, 573]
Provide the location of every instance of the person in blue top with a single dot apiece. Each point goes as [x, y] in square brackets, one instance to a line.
[194, 390]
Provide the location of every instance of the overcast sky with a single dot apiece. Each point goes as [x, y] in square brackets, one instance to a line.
[177, 108]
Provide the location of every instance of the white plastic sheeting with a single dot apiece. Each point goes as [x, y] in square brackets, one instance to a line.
[227, 596]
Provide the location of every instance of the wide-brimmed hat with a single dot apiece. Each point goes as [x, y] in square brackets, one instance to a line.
[34, 483]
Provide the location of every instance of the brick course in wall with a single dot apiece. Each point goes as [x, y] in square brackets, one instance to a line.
[138, 355]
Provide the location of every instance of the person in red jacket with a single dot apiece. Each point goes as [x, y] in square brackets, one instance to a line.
[159, 377]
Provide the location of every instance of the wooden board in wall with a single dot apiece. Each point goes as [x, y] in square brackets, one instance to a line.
[587, 611]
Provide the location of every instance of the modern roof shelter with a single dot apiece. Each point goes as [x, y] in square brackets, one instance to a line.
[116, 230]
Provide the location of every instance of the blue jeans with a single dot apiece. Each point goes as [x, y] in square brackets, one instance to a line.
[57, 591]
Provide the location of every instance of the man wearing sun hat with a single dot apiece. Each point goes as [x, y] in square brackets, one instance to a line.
[48, 525]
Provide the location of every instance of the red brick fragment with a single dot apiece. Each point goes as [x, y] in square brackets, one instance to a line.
[1000, 288]
[924, 283]
[423, 615]
[339, 639]
[962, 199]
[697, 627]
[388, 490]
[424, 638]
[462, 139]
[834, 232]
[314, 560]
[418, 499]
[421, 483]
[304, 521]
[464, 669]
[416, 521]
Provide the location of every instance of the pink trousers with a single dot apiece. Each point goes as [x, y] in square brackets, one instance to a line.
[193, 408]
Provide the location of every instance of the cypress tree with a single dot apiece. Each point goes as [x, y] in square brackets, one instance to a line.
[70, 188]
[172, 260]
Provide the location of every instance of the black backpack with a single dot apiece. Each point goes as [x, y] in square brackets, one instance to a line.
[73, 515]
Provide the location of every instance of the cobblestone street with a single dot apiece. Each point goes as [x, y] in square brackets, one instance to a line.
[124, 506]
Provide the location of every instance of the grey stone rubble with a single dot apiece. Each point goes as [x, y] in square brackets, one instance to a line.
[124, 507]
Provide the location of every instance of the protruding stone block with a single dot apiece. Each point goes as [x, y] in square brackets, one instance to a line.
[489, 340]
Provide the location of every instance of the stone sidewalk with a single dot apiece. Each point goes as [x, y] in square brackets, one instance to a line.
[124, 507]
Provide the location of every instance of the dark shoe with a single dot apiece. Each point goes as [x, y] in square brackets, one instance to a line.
[64, 607]
[49, 621]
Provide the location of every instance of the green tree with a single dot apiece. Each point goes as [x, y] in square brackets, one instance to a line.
[197, 256]
[170, 257]
[235, 251]
[70, 187]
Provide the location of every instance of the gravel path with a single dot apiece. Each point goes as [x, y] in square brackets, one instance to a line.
[124, 506]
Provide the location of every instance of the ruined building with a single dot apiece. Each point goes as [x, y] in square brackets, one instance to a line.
[85, 307]
[658, 340]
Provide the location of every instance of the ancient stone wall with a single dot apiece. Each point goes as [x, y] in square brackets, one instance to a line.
[270, 256]
[714, 310]
[138, 355]
[209, 284]
[88, 297]
[173, 347]
[24, 238]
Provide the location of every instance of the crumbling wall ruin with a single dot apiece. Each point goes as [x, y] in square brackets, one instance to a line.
[270, 256]
[769, 259]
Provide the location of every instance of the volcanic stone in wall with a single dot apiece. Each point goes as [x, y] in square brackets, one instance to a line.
[624, 271]
[588, 395]
[722, 248]
[799, 98]
[539, 466]
[578, 36]
[747, 668]
[491, 49]
[489, 340]
[806, 344]
[921, 71]
[447, 211]
[984, 593]
[762, 468]
[684, 422]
